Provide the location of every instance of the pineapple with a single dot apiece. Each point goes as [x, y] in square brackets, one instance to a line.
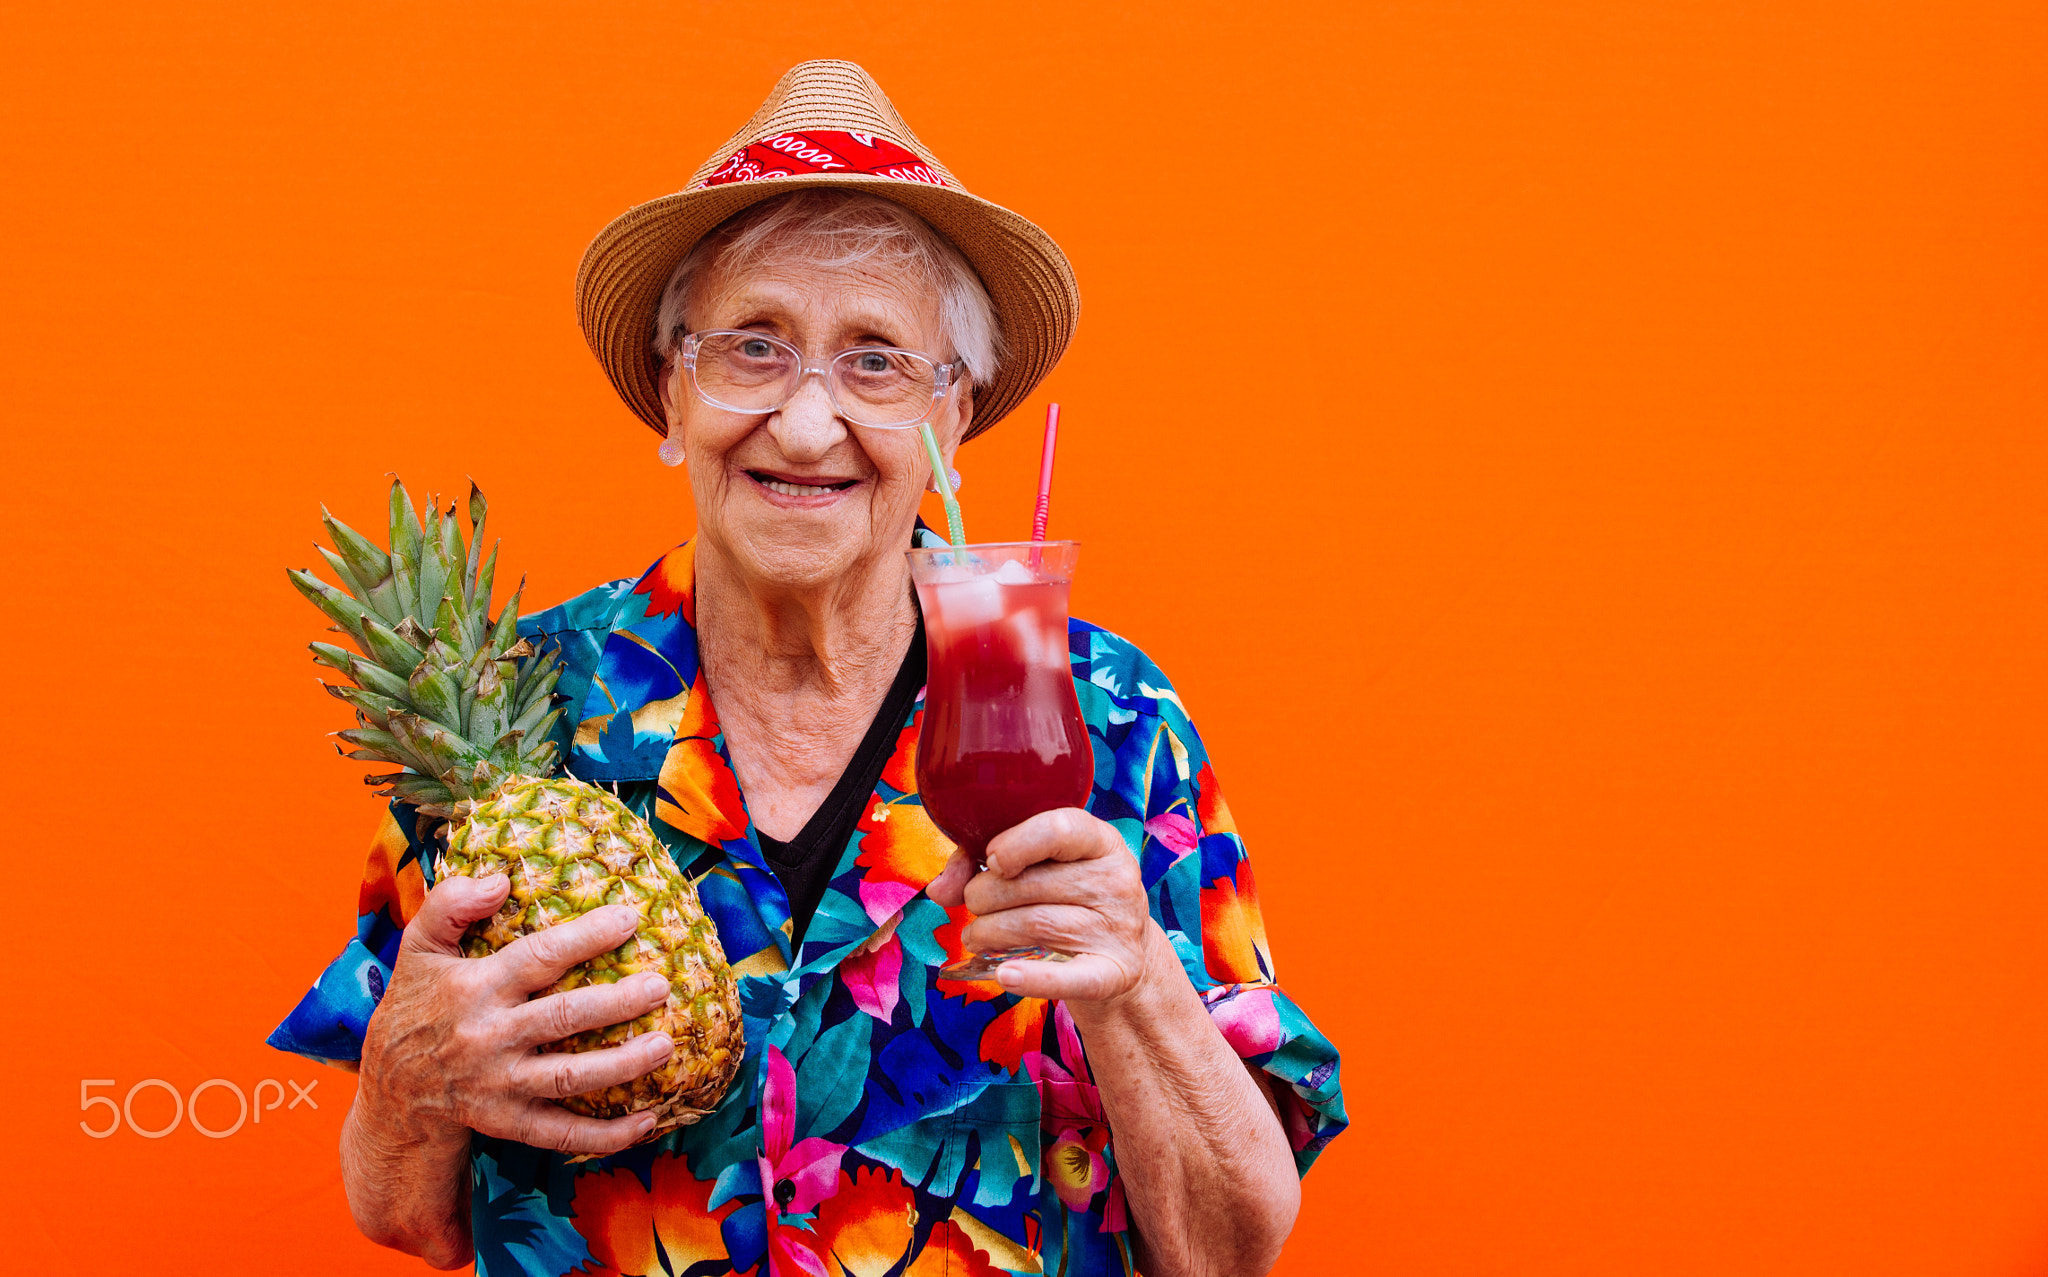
[463, 707]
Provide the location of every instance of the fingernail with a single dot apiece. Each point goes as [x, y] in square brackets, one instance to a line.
[663, 1046]
[652, 984]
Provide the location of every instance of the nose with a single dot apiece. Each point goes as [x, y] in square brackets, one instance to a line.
[808, 426]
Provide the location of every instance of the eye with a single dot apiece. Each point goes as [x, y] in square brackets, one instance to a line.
[757, 348]
[871, 361]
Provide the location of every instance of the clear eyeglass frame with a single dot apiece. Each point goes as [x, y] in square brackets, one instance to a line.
[942, 377]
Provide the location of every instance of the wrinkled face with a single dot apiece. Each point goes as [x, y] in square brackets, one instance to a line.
[798, 498]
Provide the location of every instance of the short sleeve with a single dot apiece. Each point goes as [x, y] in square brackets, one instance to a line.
[1154, 782]
[1222, 938]
[329, 1023]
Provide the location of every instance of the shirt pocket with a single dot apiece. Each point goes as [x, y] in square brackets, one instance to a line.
[994, 1135]
[995, 1129]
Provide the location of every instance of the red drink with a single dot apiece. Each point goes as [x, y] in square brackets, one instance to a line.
[1003, 738]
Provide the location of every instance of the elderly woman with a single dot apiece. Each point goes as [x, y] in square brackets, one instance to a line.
[1150, 1104]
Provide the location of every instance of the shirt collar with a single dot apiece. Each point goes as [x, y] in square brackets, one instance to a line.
[648, 715]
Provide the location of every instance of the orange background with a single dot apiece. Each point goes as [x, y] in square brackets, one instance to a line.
[1582, 464]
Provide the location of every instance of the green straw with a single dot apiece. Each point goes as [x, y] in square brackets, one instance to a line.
[943, 482]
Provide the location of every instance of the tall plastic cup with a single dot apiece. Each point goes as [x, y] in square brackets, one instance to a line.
[1002, 738]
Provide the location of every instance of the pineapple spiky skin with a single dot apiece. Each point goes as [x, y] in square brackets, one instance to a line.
[466, 710]
[568, 848]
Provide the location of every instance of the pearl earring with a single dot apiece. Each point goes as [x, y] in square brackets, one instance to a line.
[671, 450]
[951, 474]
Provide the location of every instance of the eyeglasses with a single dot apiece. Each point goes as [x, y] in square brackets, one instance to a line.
[876, 386]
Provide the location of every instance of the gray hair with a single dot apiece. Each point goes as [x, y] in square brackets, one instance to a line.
[829, 229]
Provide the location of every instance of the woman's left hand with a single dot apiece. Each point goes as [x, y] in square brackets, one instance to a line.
[1066, 880]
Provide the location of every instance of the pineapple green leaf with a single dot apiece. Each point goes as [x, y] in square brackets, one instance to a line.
[372, 677]
[342, 570]
[435, 569]
[481, 608]
[405, 549]
[472, 618]
[486, 673]
[475, 630]
[541, 761]
[505, 632]
[405, 524]
[370, 565]
[433, 747]
[445, 658]
[334, 658]
[490, 706]
[529, 715]
[546, 726]
[430, 796]
[477, 508]
[436, 693]
[536, 682]
[345, 611]
[535, 665]
[369, 706]
[537, 748]
[373, 745]
[452, 550]
[392, 649]
[442, 753]
[448, 621]
[531, 700]
[409, 630]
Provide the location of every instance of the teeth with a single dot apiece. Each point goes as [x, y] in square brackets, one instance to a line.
[794, 489]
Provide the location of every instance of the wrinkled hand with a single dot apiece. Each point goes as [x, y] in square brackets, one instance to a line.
[1066, 880]
[452, 1047]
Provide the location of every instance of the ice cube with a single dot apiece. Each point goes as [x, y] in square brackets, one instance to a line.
[1025, 638]
[941, 571]
[968, 603]
[1015, 573]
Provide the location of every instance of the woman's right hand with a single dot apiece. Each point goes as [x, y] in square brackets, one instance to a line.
[452, 1047]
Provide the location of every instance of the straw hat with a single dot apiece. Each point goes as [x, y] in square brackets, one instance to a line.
[826, 124]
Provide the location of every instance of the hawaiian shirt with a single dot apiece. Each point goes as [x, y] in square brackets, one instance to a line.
[884, 1121]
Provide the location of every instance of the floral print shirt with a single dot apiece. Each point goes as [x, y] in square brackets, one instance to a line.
[884, 1121]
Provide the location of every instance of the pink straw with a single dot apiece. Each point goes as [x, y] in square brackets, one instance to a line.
[1052, 431]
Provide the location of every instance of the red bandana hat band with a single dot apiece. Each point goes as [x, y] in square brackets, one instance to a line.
[824, 151]
[825, 124]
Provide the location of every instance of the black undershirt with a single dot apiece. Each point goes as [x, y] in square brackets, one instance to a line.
[805, 863]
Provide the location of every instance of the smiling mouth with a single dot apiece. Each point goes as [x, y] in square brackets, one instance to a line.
[788, 489]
